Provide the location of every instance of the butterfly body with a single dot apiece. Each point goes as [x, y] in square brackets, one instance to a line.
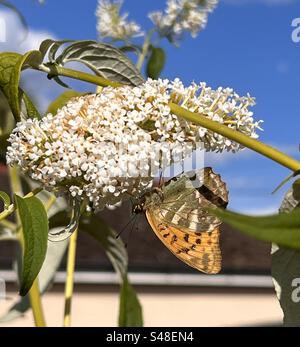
[179, 214]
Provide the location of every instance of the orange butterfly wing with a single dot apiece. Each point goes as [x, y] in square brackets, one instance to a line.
[199, 250]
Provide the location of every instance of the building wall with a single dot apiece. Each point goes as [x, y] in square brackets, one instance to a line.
[95, 305]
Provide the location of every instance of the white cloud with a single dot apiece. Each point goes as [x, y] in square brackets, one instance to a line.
[18, 40]
[261, 2]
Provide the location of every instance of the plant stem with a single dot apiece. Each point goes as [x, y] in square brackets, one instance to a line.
[237, 136]
[11, 208]
[36, 304]
[55, 70]
[145, 50]
[70, 278]
[197, 118]
[7, 224]
[34, 292]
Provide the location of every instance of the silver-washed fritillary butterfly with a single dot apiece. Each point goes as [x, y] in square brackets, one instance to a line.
[178, 213]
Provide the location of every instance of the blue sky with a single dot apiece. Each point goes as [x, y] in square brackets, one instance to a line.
[247, 45]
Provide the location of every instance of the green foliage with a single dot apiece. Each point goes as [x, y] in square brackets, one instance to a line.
[61, 100]
[286, 266]
[35, 228]
[156, 62]
[11, 65]
[8, 62]
[29, 59]
[51, 46]
[54, 256]
[131, 48]
[107, 237]
[55, 253]
[103, 59]
[130, 308]
[5, 198]
[282, 229]
[31, 110]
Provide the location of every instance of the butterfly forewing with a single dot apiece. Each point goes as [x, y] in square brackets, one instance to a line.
[188, 197]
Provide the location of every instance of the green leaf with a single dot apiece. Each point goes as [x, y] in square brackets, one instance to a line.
[61, 100]
[282, 229]
[3, 145]
[156, 62]
[52, 46]
[35, 232]
[107, 237]
[31, 58]
[11, 65]
[130, 309]
[131, 48]
[105, 60]
[5, 198]
[130, 313]
[31, 110]
[54, 256]
[286, 266]
[8, 61]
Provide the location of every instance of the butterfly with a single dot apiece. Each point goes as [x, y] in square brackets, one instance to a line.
[178, 212]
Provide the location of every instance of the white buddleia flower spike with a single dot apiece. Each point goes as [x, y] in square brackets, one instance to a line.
[182, 16]
[107, 147]
[112, 24]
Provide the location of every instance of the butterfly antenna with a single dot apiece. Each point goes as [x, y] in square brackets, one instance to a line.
[160, 178]
[133, 224]
[125, 226]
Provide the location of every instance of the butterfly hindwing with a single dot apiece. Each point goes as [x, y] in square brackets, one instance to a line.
[198, 250]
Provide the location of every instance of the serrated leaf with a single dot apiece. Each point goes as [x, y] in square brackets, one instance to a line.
[130, 308]
[5, 198]
[62, 100]
[286, 266]
[105, 60]
[282, 229]
[156, 62]
[35, 228]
